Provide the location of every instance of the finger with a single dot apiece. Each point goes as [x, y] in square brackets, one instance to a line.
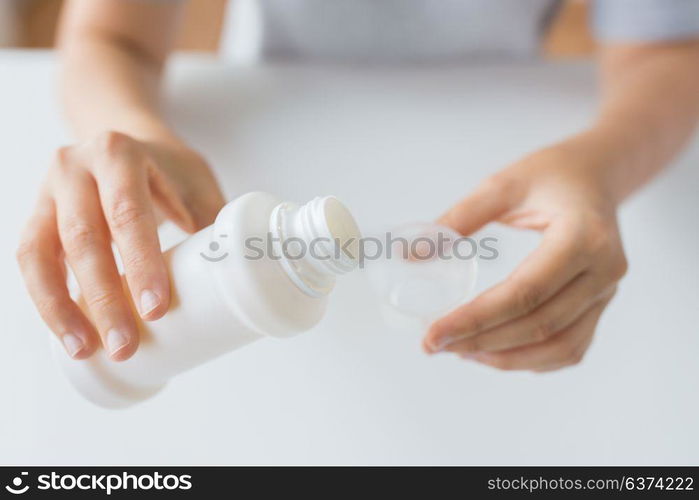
[488, 201]
[545, 322]
[565, 349]
[40, 259]
[539, 277]
[204, 202]
[201, 205]
[86, 242]
[195, 207]
[577, 357]
[122, 181]
[169, 204]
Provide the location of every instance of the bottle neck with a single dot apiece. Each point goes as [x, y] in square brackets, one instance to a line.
[315, 243]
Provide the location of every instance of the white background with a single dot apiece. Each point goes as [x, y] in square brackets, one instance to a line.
[396, 147]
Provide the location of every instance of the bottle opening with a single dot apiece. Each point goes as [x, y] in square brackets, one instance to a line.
[315, 242]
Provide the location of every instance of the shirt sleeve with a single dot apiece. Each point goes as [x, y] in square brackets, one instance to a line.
[645, 20]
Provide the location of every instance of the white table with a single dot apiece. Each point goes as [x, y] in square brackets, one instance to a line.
[396, 147]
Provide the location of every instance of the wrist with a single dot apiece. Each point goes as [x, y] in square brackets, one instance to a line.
[606, 157]
[140, 124]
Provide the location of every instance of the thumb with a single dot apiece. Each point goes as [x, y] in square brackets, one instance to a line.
[169, 202]
[490, 200]
[205, 207]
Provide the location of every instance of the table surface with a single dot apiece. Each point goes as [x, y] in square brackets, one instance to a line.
[396, 146]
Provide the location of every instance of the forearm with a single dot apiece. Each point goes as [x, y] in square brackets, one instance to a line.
[103, 87]
[650, 109]
[109, 81]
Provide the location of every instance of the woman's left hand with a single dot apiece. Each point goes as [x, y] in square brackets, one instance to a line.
[543, 316]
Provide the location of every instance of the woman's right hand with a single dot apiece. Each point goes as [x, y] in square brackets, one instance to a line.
[114, 188]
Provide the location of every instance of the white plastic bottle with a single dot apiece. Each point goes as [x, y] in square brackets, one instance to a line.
[264, 268]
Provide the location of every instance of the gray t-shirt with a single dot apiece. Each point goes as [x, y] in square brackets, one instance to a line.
[397, 31]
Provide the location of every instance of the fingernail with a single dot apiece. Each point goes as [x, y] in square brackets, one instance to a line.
[423, 250]
[149, 301]
[441, 345]
[437, 348]
[72, 344]
[116, 341]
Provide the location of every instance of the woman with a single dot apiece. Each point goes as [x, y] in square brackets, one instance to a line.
[128, 163]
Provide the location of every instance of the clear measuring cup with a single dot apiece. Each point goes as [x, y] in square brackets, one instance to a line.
[425, 271]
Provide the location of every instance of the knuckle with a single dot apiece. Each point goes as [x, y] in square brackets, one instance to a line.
[111, 142]
[575, 358]
[470, 345]
[529, 297]
[138, 262]
[620, 267]
[599, 238]
[62, 155]
[102, 300]
[543, 331]
[78, 235]
[476, 324]
[62, 163]
[26, 251]
[124, 211]
[470, 319]
[571, 355]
